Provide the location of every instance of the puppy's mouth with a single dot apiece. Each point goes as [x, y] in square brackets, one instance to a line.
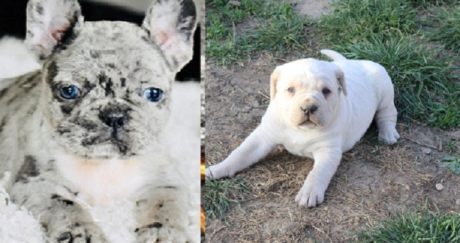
[113, 139]
[308, 122]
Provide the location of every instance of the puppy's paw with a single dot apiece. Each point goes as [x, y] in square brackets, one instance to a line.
[311, 194]
[218, 171]
[157, 232]
[389, 135]
[77, 234]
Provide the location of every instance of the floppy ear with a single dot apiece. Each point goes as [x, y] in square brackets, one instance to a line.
[171, 24]
[51, 25]
[273, 81]
[341, 79]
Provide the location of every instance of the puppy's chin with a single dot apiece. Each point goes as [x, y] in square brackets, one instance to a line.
[308, 124]
[102, 148]
[110, 149]
[105, 150]
[300, 120]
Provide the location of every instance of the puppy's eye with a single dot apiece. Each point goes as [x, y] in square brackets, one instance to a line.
[326, 91]
[70, 92]
[153, 94]
[291, 90]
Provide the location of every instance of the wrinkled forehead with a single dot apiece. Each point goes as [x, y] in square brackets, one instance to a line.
[307, 73]
[115, 51]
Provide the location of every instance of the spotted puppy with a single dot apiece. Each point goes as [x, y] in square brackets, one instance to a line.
[86, 129]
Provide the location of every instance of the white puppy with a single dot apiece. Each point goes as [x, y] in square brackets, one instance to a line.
[318, 110]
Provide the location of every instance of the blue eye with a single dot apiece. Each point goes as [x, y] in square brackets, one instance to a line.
[70, 92]
[153, 94]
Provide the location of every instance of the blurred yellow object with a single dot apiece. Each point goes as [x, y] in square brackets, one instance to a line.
[203, 221]
[203, 218]
[202, 172]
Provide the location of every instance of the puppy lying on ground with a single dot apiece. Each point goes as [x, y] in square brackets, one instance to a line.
[88, 128]
[318, 110]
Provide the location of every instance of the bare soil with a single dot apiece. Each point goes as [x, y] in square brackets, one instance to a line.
[312, 8]
[372, 180]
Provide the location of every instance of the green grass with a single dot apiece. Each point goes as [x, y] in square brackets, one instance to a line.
[414, 228]
[451, 162]
[354, 20]
[423, 80]
[427, 3]
[447, 29]
[449, 145]
[221, 195]
[385, 31]
[273, 27]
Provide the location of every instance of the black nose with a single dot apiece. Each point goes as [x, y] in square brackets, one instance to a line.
[114, 121]
[310, 109]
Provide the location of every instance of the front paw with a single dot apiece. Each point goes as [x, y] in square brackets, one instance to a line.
[77, 234]
[218, 171]
[311, 194]
[389, 135]
[157, 232]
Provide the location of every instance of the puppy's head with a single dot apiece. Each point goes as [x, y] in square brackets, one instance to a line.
[107, 84]
[306, 92]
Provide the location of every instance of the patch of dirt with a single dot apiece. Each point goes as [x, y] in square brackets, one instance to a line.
[372, 180]
[312, 8]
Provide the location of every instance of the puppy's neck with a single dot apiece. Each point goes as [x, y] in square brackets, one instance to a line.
[101, 182]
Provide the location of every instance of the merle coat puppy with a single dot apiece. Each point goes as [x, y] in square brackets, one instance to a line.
[86, 129]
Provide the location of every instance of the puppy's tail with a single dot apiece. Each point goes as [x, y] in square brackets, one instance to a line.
[333, 55]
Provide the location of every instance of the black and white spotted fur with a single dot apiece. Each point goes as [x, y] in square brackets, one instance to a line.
[65, 153]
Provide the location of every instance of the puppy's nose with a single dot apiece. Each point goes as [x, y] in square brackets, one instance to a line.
[309, 109]
[114, 121]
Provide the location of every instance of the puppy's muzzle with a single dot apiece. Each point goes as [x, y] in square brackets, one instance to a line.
[115, 118]
[115, 121]
[309, 110]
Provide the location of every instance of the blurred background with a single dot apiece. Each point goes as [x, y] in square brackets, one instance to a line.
[13, 15]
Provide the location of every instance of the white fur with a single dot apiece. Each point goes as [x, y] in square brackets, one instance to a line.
[43, 35]
[15, 60]
[333, 55]
[17, 225]
[183, 142]
[345, 118]
[101, 182]
[163, 28]
[117, 225]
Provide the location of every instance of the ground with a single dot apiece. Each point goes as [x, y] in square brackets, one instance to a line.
[372, 182]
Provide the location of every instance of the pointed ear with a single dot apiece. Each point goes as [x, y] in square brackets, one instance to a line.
[171, 24]
[273, 81]
[51, 24]
[341, 79]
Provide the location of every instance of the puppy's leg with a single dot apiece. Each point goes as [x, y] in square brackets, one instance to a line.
[385, 118]
[163, 215]
[254, 148]
[386, 122]
[63, 219]
[314, 187]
